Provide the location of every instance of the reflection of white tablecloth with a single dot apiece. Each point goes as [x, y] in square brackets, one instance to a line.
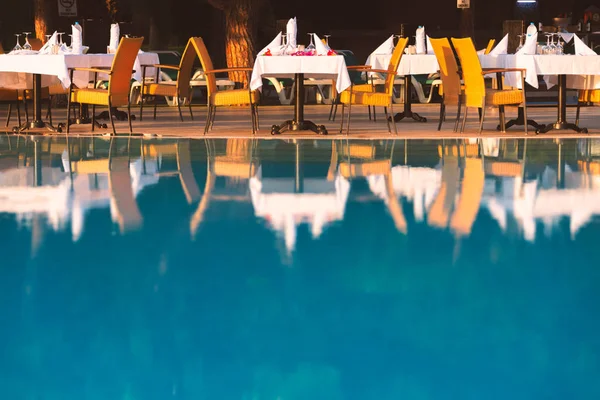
[580, 69]
[16, 70]
[320, 67]
[413, 64]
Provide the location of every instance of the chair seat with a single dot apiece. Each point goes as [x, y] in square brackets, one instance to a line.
[363, 169]
[365, 98]
[592, 96]
[239, 169]
[9, 95]
[98, 97]
[160, 89]
[495, 97]
[234, 97]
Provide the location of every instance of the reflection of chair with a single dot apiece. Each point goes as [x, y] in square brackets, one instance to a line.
[351, 96]
[476, 94]
[451, 85]
[439, 211]
[122, 198]
[180, 150]
[179, 89]
[10, 97]
[119, 83]
[235, 163]
[469, 199]
[354, 159]
[218, 98]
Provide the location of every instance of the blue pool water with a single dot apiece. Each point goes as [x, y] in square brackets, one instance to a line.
[280, 270]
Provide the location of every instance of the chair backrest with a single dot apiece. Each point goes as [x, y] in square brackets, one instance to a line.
[490, 46]
[207, 65]
[471, 71]
[122, 65]
[35, 43]
[186, 65]
[448, 70]
[394, 63]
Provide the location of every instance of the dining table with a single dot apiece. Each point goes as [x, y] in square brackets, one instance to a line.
[32, 70]
[299, 67]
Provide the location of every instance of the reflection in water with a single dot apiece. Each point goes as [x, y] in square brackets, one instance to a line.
[346, 269]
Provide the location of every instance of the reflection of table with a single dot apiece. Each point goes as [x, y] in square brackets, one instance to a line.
[417, 64]
[564, 67]
[333, 67]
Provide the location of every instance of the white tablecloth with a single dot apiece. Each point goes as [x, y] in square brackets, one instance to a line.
[580, 70]
[320, 67]
[410, 64]
[16, 70]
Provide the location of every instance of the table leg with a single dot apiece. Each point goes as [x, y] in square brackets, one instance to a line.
[407, 113]
[298, 123]
[37, 122]
[520, 120]
[562, 123]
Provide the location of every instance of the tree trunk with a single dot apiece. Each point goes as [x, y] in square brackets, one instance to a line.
[43, 13]
[240, 32]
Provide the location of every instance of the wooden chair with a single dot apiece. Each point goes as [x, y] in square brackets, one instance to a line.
[475, 92]
[227, 97]
[178, 89]
[372, 98]
[586, 96]
[451, 88]
[119, 82]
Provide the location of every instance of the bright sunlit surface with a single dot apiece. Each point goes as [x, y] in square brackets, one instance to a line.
[286, 270]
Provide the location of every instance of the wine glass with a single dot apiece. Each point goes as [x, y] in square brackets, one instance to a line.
[17, 46]
[520, 46]
[552, 49]
[311, 46]
[288, 49]
[546, 47]
[60, 41]
[326, 39]
[560, 48]
[48, 38]
[26, 46]
[70, 46]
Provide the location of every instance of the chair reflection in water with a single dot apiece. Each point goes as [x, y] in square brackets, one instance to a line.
[366, 160]
[234, 162]
[97, 179]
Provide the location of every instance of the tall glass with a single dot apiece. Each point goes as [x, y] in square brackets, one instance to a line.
[520, 46]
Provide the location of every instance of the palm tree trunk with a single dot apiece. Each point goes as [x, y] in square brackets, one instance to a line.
[240, 28]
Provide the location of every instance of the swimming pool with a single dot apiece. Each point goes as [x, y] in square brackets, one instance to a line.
[279, 269]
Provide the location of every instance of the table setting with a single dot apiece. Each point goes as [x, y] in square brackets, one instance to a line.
[285, 58]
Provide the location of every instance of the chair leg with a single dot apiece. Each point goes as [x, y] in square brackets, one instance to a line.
[393, 120]
[576, 113]
[208, 115]
[481, 119]
[348, 123]
[26, 109]
[190, 108]
[49, 114]
[387, 120]
[342, 123]
[374, 116]
[155, 107]
[502, 115]
[141, 101]
[256, 117]
[8, 114]
[457, 115]
[369, 110]
[94, 116]
[112, 120]
[212, 118]
[464, 122]
[525, 117]
[179, 108]
[252, 118]
[129, 116]
[442, 115]
[68, 110]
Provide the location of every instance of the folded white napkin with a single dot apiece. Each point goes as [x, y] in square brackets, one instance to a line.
[429, 46]
[114, 36]
[581, 49]
[322, 48]
[76, 39]
[420, 40]
[274, 46]
[292, 32]
[566, 36]
[47, 47]
[530, 46]
[386, 47]
[501, 48]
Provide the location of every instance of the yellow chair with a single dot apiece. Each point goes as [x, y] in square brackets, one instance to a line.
[365, 97]
[490, 46]
[476, 94]
[178, 89]
[228, 97]
[451, 88]
[586, 96]
[119, 83]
